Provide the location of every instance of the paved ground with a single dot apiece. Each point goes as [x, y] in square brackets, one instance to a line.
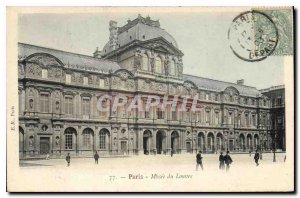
[159, 173]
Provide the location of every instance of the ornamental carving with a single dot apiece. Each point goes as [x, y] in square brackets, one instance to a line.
[44, 60]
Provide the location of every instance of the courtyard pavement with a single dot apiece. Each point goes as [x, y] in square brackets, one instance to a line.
[159, 173]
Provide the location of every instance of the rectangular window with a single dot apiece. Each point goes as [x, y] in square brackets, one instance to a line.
[85, 81]
[217, 118]
[69, 105]
[247, 119]
[68, 78]
[86, 106]
[44, 101]
[253, 120]
[159, 113]
[147, 115]
[230, 118]
[101, 83]
[207, 117]
[206, 96]
[174, 115]
[44, 73]
[279, 101]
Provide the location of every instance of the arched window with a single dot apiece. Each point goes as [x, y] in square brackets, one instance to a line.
[145, 62]
[172, 69]
[69, 132]
[103, 135]
[158, 65]
[87, 137]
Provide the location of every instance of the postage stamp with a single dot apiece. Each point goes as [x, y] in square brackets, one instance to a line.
[282, 19]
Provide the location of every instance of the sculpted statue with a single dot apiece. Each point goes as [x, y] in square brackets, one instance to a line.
[166, 64]
[137, 59]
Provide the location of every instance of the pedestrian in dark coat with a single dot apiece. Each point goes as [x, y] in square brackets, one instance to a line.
[68, 159]
[256, 158]
[199, 160]
[96, 157]
[222, 161]
[228, 160]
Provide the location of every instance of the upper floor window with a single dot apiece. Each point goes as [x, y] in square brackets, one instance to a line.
[216, 117]
[101, 83]
[44, 102]
[279, 100]
[86, 106]
[145, 62]
[68, 78]
[246, 101]
[172, 68]
[174, 115]
[85, 80]
[265, 103]
[159, 114]
[158, 65]
[207, 96]
[44, 73]
[207, 117]
[253, 102]
[69, 105]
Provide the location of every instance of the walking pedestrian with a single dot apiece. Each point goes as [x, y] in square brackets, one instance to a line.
[256, 158]
[199, 160]
[222, 161]
[96, 157]
[228, 160]
[68, 159]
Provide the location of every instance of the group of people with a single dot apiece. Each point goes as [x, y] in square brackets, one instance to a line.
[224, 160]
[68, 158]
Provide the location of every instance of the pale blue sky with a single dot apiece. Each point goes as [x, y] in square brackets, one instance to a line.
[202, 37]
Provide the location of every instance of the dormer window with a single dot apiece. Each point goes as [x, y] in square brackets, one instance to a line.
[144, 37]
[44, 73]
[130, 37]
[85, 80]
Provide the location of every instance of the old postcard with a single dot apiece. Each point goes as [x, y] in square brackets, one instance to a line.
[150, 99]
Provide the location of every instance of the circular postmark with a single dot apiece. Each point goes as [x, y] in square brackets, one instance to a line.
[253, 36]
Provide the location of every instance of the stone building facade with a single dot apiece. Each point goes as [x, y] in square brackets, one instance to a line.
[276, 94]
[58, 94]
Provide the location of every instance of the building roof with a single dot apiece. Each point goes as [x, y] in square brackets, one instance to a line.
[70, 60]
[215, 85]
[140, 29]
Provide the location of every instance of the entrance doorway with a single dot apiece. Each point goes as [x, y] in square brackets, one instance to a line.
[146, 142]
[124, 147]
[44, 145]
[175, 141]
[189, 147]
[160, 142]
[231, 145]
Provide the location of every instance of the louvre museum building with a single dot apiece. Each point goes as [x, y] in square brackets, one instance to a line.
[59, 92]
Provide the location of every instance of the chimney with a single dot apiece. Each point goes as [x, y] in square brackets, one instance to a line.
[97, 53]
[113, 36]
[240, 82]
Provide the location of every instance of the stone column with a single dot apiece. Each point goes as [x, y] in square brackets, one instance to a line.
[140, 142]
